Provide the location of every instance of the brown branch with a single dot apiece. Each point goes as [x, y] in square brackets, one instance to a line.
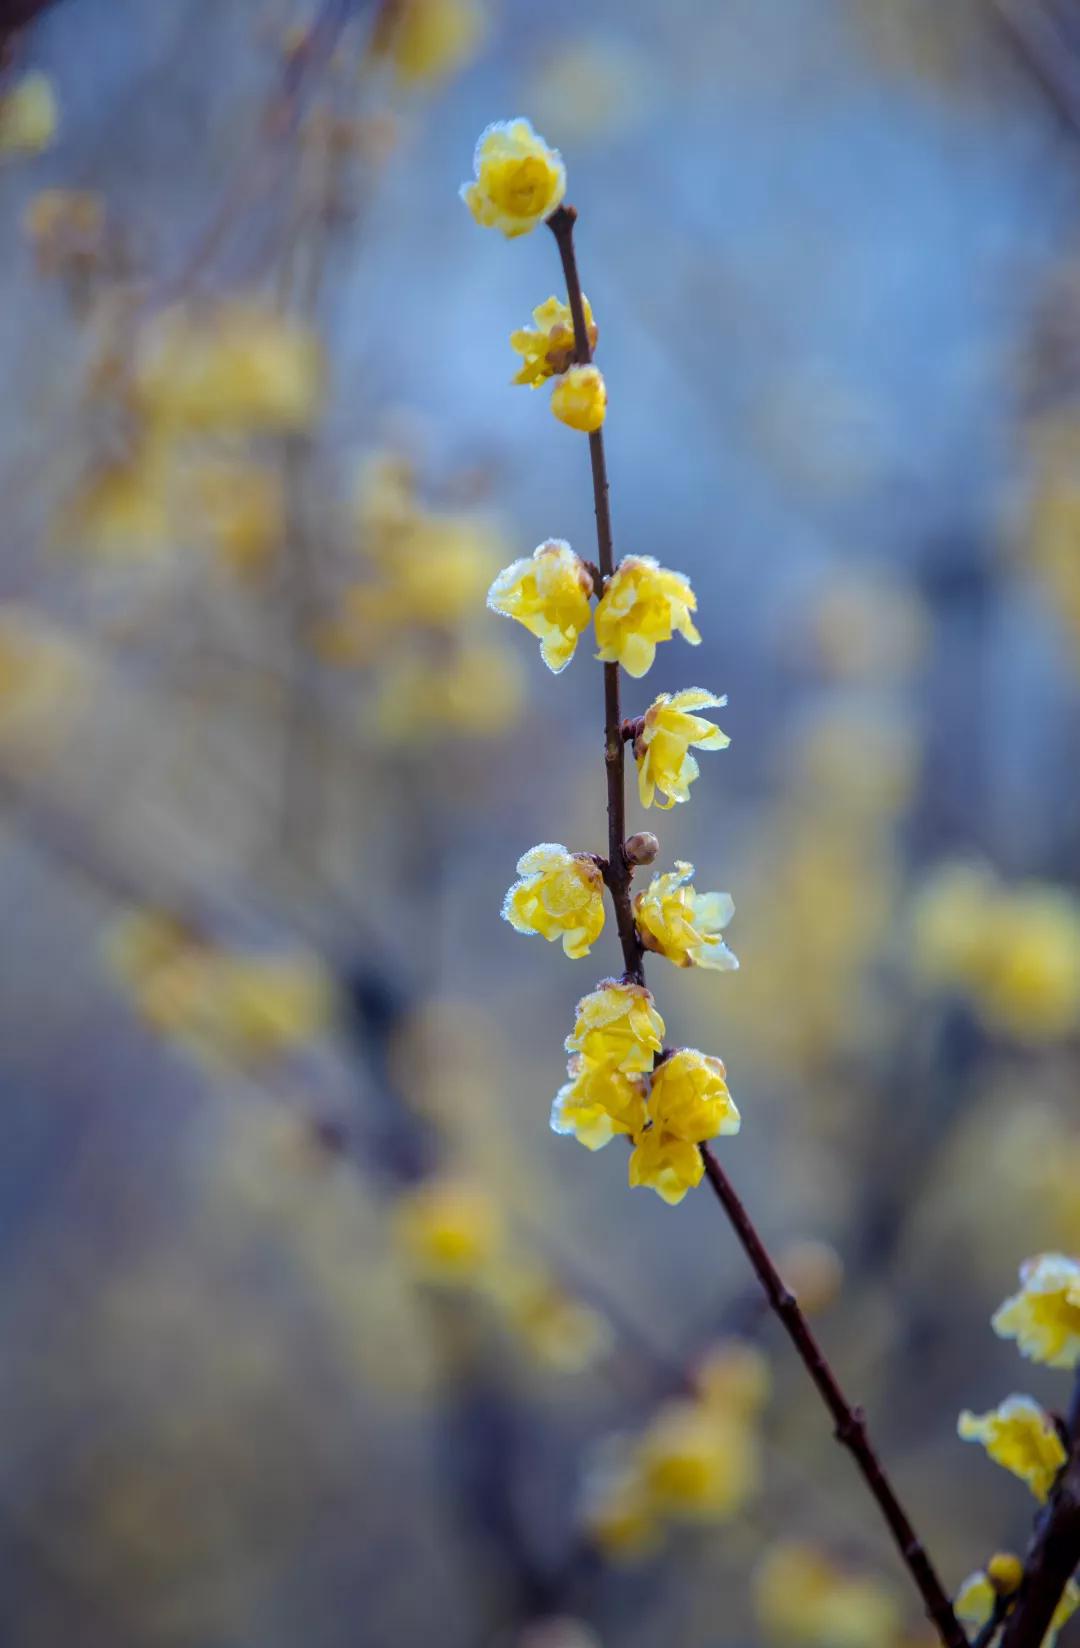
[619, 872]
[850, 1421]
[1054, 1553]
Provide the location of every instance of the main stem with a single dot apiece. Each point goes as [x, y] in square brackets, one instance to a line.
[1055, 1550]
[850, 1421]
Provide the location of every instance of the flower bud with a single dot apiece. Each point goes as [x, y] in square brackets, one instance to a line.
[641, 848]
[1005, 1571]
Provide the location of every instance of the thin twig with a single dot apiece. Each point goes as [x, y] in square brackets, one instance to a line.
[1054, 1553]
[850, 1422]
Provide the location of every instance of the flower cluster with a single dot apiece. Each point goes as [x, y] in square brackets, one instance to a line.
[804, 1597]
[697, 1459]
[621, 1080]
[981, 1591]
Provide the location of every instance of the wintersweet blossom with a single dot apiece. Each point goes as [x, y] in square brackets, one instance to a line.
[237, 366]
[447, 1230]
[618, 1511]
[560, 895]
[519, 179]
[28, 116]
[734, 1377]
[662, 747]
[549, 593]
[689, 1102]
[426, 40]
[617, 1024]
[804, 1598]
[978, 1595]
[698, 1465]
[1044, 1317]
[547, 347]
[682, 924]
[643, 603]
[1020, 1436]
[598, 1101]
[579, 398]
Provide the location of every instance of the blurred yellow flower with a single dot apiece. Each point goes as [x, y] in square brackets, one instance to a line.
[560, 895]
[559, 1330]
[45, 676]
[661, 749]
[519, 179]
[236, 366]
[698, 1464]
[66, 228]
[618, 1511]
[29, 116]
[802, 1597]
[617, 1024]
[241, 507]
[689, 1102]
[447, 1230]
[978, 1594]
[734, 1377]
[682, 924]
[643, 603]
[476, 692]
[549, 593]
[427, 40]
[229, 1007]
[1044, 1317]
[122, 507]
[1020, 1436]
[579, 398]
[597, 1102]
[547, 348]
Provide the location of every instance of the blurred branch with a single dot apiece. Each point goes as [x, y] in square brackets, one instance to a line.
[1045, 49]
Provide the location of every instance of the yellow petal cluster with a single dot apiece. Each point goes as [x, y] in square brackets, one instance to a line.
[689, 1102]
[617, 1025]
[427, 40]
[1014, 951]
[670, 729]
[1044, 1317]
[549, 593]
[579, 398]
[598, 1101]
[234, 367]
[699, 1463]
[803, 1597]
[560, 896]
[447, 1230]
[547, 347]
[684, 925]
[519, 179]
[978, 1594]
[1020, 1436]
[643, 603]
[226, 1006]
[28, 116]
[560, 1331]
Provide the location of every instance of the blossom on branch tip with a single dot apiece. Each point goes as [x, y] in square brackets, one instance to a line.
[682, 924]
[617, 1024]
[519, 179]
[597, 1102]
[560, 895]
[579, 398]
[643, 603]
[977, 1597]
[662, 747]
[549, 593]
[689, 1102]
[547, 348]
[1044, 1317]
[1020, 1436]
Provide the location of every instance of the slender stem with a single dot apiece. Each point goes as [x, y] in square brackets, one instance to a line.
[993, 1625]
[850, 1421]
[1054, 1553]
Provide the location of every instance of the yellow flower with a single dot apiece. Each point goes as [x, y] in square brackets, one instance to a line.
[617, 1024]
[241, 506]
[560, 895]
[429, 39]
[1005, 1572]
[28, 116]
[682, 924]
[1044, 1317]
[802, 1597]
[978, 1594]
[46, 679]
[238, 366]
[734, 1377]
[549, 593]
[618, 1512]
[668, 731]
[559, 1330]
[447, 1230]
[689, 1102]
[1022, 1438]
[597, 1102]
[697, 1464]
[643, 603]
[476, 692]
[519, 180]
[547, 349]
[579, 398]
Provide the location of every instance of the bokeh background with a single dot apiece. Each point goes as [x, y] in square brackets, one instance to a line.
[313, 1332]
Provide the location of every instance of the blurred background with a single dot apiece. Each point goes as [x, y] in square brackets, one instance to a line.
[314, 1333]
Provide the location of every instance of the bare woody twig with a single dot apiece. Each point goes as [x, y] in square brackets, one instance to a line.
[1054, 1554]
[850, 1422]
